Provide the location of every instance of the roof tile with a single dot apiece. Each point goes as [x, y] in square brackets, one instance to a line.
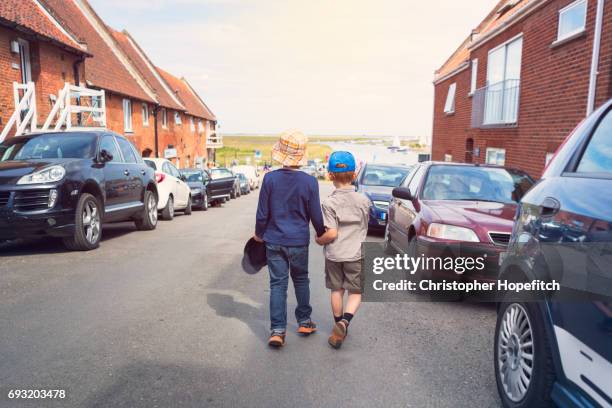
[195, 106]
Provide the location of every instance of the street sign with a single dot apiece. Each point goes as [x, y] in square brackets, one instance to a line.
[170, 153]
[257, 154]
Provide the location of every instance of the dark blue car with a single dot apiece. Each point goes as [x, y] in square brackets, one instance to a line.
[377, 181]
[557, 351]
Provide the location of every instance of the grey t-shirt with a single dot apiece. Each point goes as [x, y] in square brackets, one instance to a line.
[347, 211]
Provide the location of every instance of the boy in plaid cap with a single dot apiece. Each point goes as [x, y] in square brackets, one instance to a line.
[288, 202]
[345, 214]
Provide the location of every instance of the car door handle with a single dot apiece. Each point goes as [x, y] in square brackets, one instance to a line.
[143, 172]
[126, 172]
[549, 207]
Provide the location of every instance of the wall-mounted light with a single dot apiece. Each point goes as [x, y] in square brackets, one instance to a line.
[14, 47]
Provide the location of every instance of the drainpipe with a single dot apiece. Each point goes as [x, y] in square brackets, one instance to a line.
[77, 82]
[595, 59]
[155, 111]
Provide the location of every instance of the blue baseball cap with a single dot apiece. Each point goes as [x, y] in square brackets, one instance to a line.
[341, 162]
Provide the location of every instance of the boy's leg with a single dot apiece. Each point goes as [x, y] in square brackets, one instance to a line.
[337, 300]
[298, 261]
[278, 265]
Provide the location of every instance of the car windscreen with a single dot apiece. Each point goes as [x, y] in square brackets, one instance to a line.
[192, 176]
[50, 146]
[220, 173]
[476, 184]
[384, 176]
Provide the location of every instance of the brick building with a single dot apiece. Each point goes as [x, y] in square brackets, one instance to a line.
[521, 81]
[67, 42]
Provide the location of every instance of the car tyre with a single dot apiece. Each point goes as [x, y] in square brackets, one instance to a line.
[205, 202]
[87, 225]
[522, 353]
[233, 194]
[168, 211]
[148, 218]
[188, 210]
[387, 246]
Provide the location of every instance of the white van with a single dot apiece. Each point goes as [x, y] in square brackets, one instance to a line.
[251, 174]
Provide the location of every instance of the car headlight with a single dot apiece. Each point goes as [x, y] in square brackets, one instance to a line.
[381, 205]
[451, 232]
[47, 175]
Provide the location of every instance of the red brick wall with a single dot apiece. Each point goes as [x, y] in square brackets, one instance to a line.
[553, 99]
[142, 136]
[51, 68]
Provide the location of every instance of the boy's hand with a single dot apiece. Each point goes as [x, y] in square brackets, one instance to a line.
[319, 241]
[256, 238]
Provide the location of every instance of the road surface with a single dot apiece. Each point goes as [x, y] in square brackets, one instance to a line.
[168, 319]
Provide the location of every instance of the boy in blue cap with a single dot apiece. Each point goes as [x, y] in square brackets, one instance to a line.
[345, 214]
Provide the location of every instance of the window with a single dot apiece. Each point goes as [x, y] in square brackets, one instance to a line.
[191, 124]
[474, 76]
[127, 115]
[177, 118]
[597, 157]
[572, 19]
[200, 126]
[414, 184]
[108, 143]
[126, 150]
[503, 83]
[496, 156]
[96, 102]
[449, 107]
[145, 114]
[164, 118]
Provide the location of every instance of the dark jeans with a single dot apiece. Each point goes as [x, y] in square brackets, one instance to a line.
[283, 261]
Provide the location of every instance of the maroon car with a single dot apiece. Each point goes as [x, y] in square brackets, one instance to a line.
[456, 210]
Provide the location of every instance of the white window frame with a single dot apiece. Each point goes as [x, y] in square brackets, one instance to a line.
[145, 114]
[200, 127]
[127, 115]
[569, 7]
[496, 151]
[177, 118]
[474, 78]
[192, 124]
[164, 118]
[449, 106]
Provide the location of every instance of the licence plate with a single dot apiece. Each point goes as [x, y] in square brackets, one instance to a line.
[383, 216]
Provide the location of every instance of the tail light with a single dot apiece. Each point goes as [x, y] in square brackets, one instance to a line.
[159, 177]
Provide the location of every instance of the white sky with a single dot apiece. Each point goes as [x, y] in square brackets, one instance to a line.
[323, 66]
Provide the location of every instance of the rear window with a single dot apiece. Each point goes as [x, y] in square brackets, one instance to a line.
[476, 184]
[193, 176]
[151, 164]
[220, 173]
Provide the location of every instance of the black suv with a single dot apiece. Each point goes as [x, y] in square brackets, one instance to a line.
[66, 184]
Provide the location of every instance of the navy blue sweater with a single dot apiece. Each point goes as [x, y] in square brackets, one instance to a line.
[288, 202]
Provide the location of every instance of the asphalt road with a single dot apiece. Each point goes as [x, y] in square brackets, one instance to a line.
[168, 319]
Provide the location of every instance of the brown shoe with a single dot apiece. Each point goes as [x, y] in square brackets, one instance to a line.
[307, 328]
[276, 340]
[338, 334]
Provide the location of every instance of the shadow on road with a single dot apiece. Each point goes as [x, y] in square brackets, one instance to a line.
[49, 245]
[227, 306]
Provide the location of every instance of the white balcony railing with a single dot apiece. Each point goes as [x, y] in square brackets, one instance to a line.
[214, 141]
[496, 105]
[24, 115]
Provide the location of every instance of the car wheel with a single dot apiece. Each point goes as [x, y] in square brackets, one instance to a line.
[148, 219]
[524, 370]
[188, 209]
[205, 202]
[168, 211]
[87, 225]
[387, 246]
[233, 194]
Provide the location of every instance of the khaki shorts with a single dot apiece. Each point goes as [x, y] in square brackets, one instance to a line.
[344, 275]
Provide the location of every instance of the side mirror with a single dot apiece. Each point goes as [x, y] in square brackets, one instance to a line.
[402, 193]
[105, 156]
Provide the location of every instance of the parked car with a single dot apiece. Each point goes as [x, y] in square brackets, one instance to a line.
[198, 180]
[450, 209]
[221, 185]
[310, 170]
[251, 173]
[67, 184]
[174, 193]
[236, 192]
[377, 181]
[244, 184]
[556, 352]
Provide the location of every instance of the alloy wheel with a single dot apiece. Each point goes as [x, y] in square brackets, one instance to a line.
[91, 222]
[515, 352]
[152, 209]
